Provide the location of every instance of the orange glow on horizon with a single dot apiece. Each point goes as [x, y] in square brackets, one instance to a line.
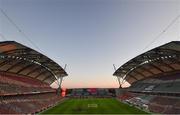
[63, 93]
[93, 85]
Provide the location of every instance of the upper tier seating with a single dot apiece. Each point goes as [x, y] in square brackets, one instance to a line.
[22, 80]
[11, 85]
[163, 84]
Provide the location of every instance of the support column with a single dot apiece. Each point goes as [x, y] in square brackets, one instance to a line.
[119, 80]
[59, 85]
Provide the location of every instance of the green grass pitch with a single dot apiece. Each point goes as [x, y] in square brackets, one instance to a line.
[93, 106]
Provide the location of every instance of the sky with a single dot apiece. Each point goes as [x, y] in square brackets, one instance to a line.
[90, 35]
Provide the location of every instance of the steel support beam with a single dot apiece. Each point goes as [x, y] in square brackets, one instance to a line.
[5, 62]
[43, 72]
[135, 71]
[34, 70]
[119, 81]
[133, 77]
[24, 68]
[47, 77]
[147, 70]
[156, 67]
[20, 62]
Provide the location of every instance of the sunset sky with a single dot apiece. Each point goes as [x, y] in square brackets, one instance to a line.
[90, 35]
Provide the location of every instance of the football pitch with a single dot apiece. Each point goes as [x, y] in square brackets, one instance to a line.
[93, 106]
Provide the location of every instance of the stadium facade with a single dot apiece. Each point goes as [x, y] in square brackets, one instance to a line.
[91, 92]
[155, 80]
[25, 79]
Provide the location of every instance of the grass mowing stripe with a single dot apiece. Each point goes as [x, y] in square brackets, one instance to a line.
[65, 108]
[104, 106]
[60, 107]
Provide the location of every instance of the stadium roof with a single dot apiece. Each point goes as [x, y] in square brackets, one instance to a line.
[19, 59]
[161, 60]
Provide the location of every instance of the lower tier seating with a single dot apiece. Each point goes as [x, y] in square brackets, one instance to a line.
[167, 105]
[153, 103]
[28, 103]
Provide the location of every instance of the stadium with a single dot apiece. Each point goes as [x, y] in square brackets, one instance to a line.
[25, 79]
[154, 79]
[38, 37]
[26, 76]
